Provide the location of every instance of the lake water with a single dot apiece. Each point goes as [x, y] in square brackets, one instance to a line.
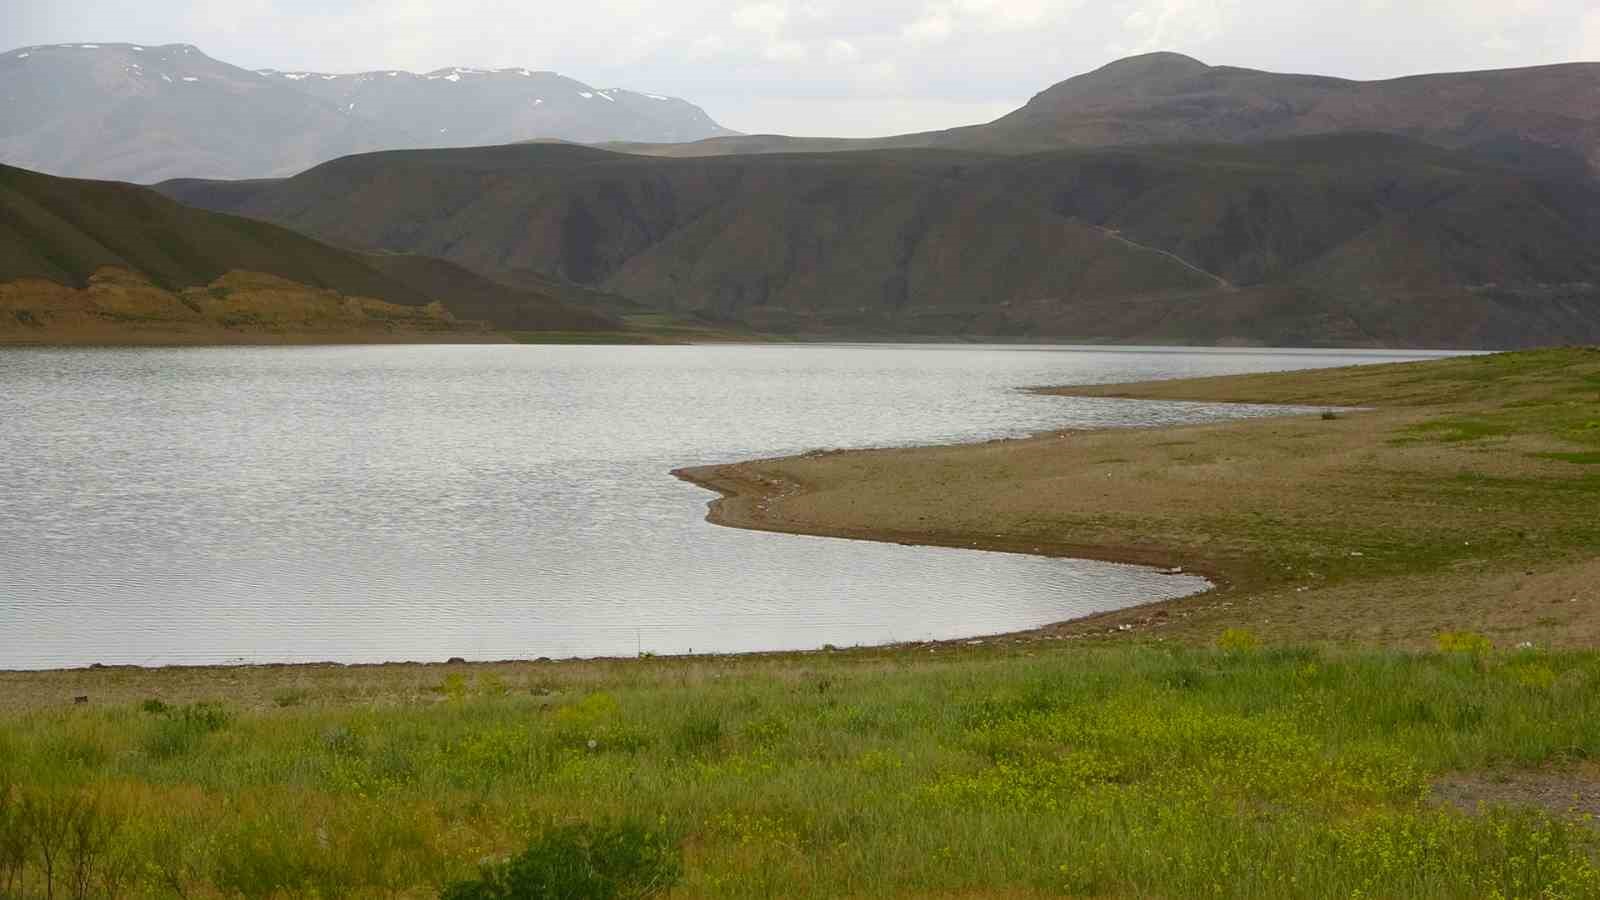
[361, 504]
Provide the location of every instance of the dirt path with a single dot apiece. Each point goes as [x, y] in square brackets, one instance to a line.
[1116, 235]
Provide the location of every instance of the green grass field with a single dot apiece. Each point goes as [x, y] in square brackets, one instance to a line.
[1122, 771]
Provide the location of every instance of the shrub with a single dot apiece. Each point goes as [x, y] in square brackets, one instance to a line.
[181, 728]
[206, 717]
[68, 833]
[341, 741]
[492, 685]
[262, 857]
[579, 862]
[13, 837]
[454, 687]
[766, 732]
[700, 732]
[290, 697]
[1532, 674]
[1238, 640]
[1187, 678]
[1468, 642]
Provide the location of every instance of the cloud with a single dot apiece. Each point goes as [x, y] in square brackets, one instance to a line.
[1012, 15]
[786, 51]
[1160, 24]
[1590, 31]
[933, 28]
[765, 18]
[841, 51]
[705, 47]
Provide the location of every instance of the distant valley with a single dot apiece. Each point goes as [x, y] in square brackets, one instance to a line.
[130, 112]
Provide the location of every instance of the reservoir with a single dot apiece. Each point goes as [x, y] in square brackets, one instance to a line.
[376, 503]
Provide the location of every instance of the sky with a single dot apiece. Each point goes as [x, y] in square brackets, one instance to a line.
[851, 68]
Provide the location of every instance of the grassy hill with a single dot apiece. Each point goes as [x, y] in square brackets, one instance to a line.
[65, 231]
[119, 307]
[1357, 239]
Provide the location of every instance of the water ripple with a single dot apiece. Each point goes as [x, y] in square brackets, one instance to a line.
[362, 504]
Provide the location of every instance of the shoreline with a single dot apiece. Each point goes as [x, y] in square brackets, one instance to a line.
[1449, 501]
[745, 497]
[738, 505]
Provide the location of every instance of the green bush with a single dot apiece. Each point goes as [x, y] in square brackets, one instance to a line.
[1468, 642]
[1238, 640]
[13, 838]
[699, 733]
[181, 728]
[579, 862]
[261, 858]
[290, 697]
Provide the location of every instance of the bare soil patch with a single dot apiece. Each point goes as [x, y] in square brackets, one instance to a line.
[1570, 793]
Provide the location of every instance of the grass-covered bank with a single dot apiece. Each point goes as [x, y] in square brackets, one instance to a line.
[1465, 497]
[1013, 771]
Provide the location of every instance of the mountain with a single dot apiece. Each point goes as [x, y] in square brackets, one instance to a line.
[137, 113]
[1353, 239]
[1546, 117]
[140, 113]
[61, 235]
[460, 107]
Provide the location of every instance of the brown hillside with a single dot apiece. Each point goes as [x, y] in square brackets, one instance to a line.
[1545, 117]
[66, 230]
[1362, 239]
[123, 307]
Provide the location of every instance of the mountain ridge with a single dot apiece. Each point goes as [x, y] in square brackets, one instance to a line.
[147, 113]
[1290, 242]
[1541, 116]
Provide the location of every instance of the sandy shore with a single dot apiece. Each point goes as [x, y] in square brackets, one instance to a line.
[1451, 502]
[753, 495]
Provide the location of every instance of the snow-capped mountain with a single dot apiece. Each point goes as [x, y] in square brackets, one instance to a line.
[147, 113]
[456, 106]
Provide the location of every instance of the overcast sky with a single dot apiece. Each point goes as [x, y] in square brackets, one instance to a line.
[834, 67]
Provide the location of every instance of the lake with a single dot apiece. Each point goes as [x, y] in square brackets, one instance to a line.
[372, 503]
